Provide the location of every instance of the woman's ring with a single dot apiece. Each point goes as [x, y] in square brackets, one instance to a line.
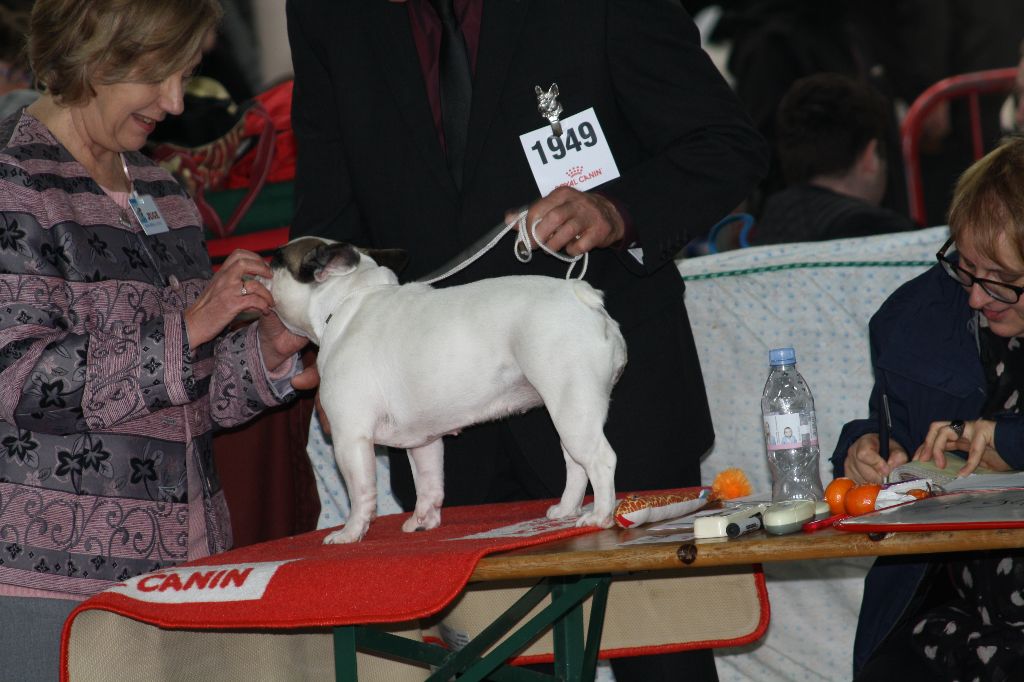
[958, 427]
[578, 237]
[245, 292]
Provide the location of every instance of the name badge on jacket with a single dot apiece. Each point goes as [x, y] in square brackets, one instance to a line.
[580, 157]
[145, 209]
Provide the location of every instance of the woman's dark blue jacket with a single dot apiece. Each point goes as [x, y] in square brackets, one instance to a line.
[924, 352]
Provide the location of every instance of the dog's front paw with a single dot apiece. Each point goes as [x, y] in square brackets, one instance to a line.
[593, 519]
[426, 520]
[347, 535]
[562, 511]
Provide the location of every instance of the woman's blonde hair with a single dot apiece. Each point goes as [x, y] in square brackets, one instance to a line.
[76, 44]
[989, 200]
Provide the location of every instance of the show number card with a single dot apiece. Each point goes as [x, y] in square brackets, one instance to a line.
[580, 157]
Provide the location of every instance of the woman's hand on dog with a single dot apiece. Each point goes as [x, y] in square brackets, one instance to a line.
[233, 290]
[575, 221]
[278, 346]
[230, 292]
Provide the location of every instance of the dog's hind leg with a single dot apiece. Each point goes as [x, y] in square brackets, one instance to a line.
[579, 420]
[575, 489]
[428, 474]
[356, 459]
[599, 464]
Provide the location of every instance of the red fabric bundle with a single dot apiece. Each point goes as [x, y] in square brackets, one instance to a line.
[277, 101]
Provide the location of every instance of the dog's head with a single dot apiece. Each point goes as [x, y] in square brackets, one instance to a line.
[307, 264]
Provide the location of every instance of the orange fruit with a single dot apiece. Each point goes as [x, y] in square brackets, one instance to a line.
[860, 499]
[918, 493]
[835, 494]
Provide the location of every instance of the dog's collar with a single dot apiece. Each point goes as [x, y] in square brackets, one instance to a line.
[349, 295]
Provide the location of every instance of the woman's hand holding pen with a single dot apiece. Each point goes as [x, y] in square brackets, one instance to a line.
[864, 464]
[977, 438]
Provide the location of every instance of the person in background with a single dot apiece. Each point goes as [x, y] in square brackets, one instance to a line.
[15, 76]
[447, 164]
[115, 354]
[947, 355]
[1018, 91]
[831, 133]
[231, 55]
[777, 42]
[946, 38]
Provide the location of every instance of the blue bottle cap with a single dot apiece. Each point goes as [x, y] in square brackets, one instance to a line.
[781, 356]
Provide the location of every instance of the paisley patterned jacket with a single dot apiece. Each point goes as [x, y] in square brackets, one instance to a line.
[106, 413]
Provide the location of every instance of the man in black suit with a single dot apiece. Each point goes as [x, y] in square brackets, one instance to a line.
[373, 170]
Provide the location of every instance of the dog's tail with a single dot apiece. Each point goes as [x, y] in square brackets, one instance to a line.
[591, 297]
[594, 299]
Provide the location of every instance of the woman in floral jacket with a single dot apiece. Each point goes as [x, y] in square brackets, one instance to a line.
[116, 357]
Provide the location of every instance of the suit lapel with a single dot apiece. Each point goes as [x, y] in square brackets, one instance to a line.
[396, 53]
[499, 39]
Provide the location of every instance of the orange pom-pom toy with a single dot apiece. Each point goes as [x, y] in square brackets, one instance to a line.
[731, 483]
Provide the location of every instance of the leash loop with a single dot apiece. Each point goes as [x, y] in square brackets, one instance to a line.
[521, 248]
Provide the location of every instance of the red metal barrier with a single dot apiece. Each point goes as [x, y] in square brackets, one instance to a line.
[263, 242]
[969, 85]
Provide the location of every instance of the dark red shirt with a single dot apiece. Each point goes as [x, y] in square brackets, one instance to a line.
[426, 32]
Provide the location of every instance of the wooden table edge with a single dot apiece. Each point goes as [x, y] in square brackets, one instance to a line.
[603, 552]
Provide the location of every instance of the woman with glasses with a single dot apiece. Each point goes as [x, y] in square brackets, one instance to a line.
[948, 358]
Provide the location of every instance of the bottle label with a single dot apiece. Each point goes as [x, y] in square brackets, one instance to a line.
[788, 431]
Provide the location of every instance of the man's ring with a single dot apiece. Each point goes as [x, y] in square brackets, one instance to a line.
[245, 292]
[958, 427]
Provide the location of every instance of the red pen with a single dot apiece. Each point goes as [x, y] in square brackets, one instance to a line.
[812, 526]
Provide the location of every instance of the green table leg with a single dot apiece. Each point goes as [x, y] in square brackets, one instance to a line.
[567, 634]
[575, 657]
[345, 669]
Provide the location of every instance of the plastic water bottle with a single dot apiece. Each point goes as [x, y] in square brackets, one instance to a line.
[790, 430]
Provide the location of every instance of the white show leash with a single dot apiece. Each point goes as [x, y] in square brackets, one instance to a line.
[522, 250]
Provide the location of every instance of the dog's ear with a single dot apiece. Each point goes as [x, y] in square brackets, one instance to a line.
[394, 260]
[328, 260]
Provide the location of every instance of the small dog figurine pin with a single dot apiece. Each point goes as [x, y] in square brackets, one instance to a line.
[404, 365]
[549, 107]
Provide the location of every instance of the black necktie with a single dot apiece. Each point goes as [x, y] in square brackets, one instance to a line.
[456, 87]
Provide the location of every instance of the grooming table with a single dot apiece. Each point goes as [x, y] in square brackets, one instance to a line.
[297, 609]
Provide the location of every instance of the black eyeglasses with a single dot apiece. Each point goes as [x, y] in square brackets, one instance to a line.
[1006, 293]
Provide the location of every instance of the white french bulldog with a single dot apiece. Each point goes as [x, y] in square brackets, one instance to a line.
[404, 365]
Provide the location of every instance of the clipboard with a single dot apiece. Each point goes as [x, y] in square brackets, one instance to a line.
[962, 510]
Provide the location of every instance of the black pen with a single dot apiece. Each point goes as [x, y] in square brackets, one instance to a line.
[747, 525]
[884, 427]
